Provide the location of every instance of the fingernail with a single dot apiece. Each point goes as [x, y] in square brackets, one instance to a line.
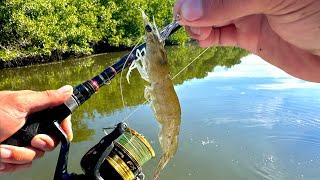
[195, 30]
[192, 10]
[42, 145]
[70, 134]
[68, 131]
[71, 137]
[5, 153]
[67, 89]
[2, 166]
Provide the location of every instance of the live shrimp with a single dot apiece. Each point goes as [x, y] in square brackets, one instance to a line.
[153, 67]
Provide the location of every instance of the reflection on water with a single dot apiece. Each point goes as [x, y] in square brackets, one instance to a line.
[108, 99]
[247, 122]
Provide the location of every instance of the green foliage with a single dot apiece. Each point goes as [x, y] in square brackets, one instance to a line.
[41, 27]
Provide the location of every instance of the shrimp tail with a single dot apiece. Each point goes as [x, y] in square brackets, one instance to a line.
[165, 158]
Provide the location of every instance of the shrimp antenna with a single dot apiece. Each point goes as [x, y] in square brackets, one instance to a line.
[144, 17]
[156, 29]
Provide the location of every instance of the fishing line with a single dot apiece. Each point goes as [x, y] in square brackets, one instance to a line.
[121, 92]
[130, 152]
[142, 153]
[126, 119]
[127, 116]
[129, 140]
[134, 111]
[122, 96]
[190, 63]
[137, 143]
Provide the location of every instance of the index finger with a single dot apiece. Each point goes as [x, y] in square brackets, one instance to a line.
[204, 13]
[18, 155]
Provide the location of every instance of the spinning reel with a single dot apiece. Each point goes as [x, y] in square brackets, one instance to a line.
[116, 156]
[119, 155]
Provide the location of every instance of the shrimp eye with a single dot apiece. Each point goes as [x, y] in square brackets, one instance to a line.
[148, 28]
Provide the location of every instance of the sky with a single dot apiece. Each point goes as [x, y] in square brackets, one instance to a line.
[253, 66]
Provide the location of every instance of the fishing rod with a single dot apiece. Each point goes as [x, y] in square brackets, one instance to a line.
[42, 122]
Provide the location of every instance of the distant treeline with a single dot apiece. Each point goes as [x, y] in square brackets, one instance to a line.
[59, 28]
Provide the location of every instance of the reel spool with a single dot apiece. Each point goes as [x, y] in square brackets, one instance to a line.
[131, 150]
[119, 155]
[127, 154]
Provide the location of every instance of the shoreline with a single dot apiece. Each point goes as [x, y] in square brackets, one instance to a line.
[56, 57]
[100, 48]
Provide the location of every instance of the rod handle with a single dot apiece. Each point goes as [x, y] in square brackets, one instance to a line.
[40, 122]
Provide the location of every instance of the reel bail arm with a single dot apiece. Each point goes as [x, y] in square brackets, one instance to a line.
[91, 161]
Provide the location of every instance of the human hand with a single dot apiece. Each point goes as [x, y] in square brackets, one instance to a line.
[286, 33]
[14, 108]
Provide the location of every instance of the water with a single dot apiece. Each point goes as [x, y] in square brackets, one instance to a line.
[250, 122]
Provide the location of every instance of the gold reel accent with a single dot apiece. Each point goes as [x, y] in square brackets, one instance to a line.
[121, 167]
[137, 149]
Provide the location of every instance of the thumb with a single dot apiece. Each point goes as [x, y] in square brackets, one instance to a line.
[39, 100]
[204, 13]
